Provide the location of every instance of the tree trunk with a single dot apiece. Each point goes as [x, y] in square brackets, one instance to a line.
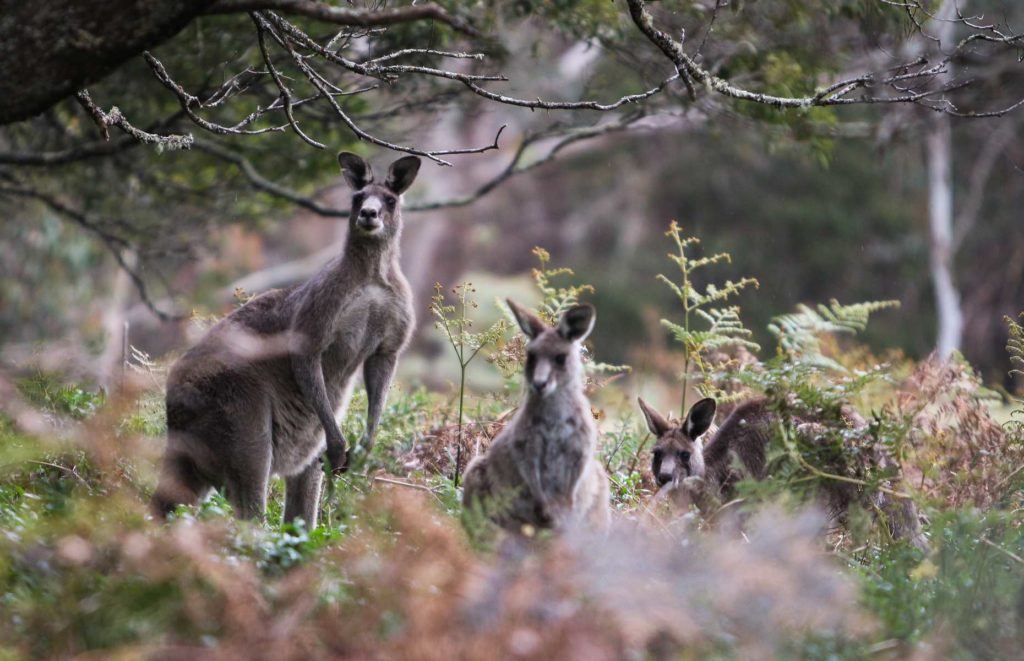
[939, 155]
[111, 363]
[50, 50]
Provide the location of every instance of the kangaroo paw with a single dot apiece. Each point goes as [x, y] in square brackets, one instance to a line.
[338, 458]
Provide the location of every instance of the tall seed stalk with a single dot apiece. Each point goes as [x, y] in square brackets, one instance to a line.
[454, 320]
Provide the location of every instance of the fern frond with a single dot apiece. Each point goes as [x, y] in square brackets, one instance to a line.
[799, 333]
[1015, 345]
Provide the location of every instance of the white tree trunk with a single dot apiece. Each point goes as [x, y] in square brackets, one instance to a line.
[110, 366]
[939, 155]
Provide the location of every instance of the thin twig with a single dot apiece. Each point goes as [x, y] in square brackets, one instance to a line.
[1009, 554]
[349, 16]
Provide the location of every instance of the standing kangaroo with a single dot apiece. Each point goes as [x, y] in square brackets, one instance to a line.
[261, 392]
[740, 446]
[541, 470]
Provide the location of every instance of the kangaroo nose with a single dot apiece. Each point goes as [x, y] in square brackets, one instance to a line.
[664, 478]
[368, 214]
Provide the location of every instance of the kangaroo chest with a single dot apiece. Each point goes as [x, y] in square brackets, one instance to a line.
[557, 449]
[373, 319]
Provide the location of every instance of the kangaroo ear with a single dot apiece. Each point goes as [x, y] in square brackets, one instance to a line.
[530, 323]
[700, 417]
[356, 170]
[577, 322]
[402, 173]
[655, 421]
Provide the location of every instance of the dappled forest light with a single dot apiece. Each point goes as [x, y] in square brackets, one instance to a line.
[586, 330]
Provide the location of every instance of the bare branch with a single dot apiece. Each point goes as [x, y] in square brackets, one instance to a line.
[515, 167]
[114, 118]
[321, 85]
[286, 94]
[70, 155]
[837, 93]
[262, 183]
[423, 51]
[189, 103]
[349, 16]
[392, 72]
[114, 244]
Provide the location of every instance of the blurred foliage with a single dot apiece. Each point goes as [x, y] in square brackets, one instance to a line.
[389, 572]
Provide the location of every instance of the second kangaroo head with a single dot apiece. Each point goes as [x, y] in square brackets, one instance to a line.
[677, 455]
[553, 353]
[375, 206]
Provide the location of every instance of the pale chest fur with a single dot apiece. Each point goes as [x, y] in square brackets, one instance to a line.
[374, 318]
[554, 442]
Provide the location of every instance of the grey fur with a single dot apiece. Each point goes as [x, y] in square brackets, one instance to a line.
[261, 392]
[541, 469]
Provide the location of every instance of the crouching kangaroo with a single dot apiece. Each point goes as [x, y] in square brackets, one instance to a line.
[738, 449]
[259, 394]
[541, 470]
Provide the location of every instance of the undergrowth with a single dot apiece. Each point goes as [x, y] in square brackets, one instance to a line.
[391, 572]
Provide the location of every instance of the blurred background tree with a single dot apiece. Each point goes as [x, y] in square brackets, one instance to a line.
[729, 116]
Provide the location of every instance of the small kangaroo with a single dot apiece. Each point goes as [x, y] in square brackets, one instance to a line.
[678, 453]
[541, 470]
[745, 436]
[259, 394]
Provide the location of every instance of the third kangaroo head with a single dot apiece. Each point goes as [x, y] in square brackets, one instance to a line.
[553, 353]
[677, 454]
[375, 206]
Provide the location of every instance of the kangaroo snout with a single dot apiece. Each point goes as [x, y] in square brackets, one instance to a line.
[369, 220]
[541, 378]
[667, 471]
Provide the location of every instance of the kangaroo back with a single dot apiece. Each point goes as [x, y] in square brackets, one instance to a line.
[738, 449]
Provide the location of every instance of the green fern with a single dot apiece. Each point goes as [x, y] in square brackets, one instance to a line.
[799, 333]
[724, 327]
[555, 299]
[1015, 347]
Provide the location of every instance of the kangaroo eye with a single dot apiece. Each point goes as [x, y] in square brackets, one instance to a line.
[560, 360]
[358, 198]
[390, 201]
[658, 454]
[685, 456]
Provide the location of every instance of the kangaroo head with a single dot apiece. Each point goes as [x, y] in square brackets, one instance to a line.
[375, 207]
[677, 454]
[553, 353]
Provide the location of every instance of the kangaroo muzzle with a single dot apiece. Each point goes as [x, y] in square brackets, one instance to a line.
[542, 381]
[667, 470]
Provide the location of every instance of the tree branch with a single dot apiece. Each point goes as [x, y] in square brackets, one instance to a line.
[835, 94]
[114, 244]
[190, 103]
[320, 84]
[260, 182]
[349, 16]
[114, 118]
